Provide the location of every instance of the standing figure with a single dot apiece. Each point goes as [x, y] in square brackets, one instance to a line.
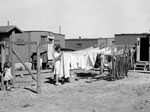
[57, 64]
[8, 78]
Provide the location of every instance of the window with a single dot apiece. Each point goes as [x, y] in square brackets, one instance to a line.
[50, 40]
[57, 42]
[79, 44]
[113, 42]
[43, 38]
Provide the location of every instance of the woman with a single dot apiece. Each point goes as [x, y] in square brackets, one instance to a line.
[57, 64]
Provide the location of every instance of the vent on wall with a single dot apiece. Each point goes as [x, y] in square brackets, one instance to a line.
[79, 44]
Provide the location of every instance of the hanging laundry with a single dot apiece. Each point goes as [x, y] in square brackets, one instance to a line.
[91, 58]
[85, 59]
[82, 59]
[66, 64]
[98, 61]
[50, 51]
[73, 62]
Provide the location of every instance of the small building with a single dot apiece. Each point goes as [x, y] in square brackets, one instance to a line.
[46, 49]
[78, 44]
[128, 39]
[59, 40]
[6, 32]
[141, 40]
[41, 36]
[6, 35]
[35, 35]
[25, 51]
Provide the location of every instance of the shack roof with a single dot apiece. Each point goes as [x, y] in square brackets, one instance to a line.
[87, 39]
[132, 34]
[38, 31]
[43, 31]
[6, 29]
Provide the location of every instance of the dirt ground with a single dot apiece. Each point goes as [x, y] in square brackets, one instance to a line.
[88, 94]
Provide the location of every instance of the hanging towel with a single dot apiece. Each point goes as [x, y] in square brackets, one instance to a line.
[50, 52]
[65, 65]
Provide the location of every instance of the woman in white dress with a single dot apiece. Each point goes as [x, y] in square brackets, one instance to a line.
[57, 64]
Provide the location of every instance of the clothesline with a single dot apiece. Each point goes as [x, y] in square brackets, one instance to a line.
[86, 59]
[83, 59]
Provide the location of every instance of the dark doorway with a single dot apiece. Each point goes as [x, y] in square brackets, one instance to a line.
[144, 49]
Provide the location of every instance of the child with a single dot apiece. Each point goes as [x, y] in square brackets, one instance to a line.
[8, 78]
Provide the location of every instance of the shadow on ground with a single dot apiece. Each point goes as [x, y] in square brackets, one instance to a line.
[30, 89]
[90, 75]
[49, 80]
[86, 75]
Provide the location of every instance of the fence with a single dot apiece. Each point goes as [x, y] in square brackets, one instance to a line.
[8, 54]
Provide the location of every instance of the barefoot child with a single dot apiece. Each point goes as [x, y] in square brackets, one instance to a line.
[8, 78]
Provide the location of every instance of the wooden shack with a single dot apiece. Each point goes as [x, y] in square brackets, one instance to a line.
[6, 34]
[143, 53]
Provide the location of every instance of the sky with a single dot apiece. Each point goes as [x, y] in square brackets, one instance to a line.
[85, 18]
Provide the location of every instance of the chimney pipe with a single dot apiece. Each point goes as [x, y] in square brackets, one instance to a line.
[59, 29]
[8, 23]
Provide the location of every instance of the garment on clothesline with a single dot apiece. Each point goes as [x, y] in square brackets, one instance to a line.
[66, 59]
[73, 63]
[50, 51]
[98, 61]
[90, 60]
[85, 59]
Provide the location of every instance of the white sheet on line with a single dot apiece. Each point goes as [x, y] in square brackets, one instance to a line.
[50, 52]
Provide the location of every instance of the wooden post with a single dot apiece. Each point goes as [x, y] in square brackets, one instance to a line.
[120, 66]
[128, 59]
[113, 68]
[127, 63]
[2, 60]
[29, 47]
[12, 59]
[124, 65]
[112, 71]
[38, 70]
[116, 68]
[2, 55]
